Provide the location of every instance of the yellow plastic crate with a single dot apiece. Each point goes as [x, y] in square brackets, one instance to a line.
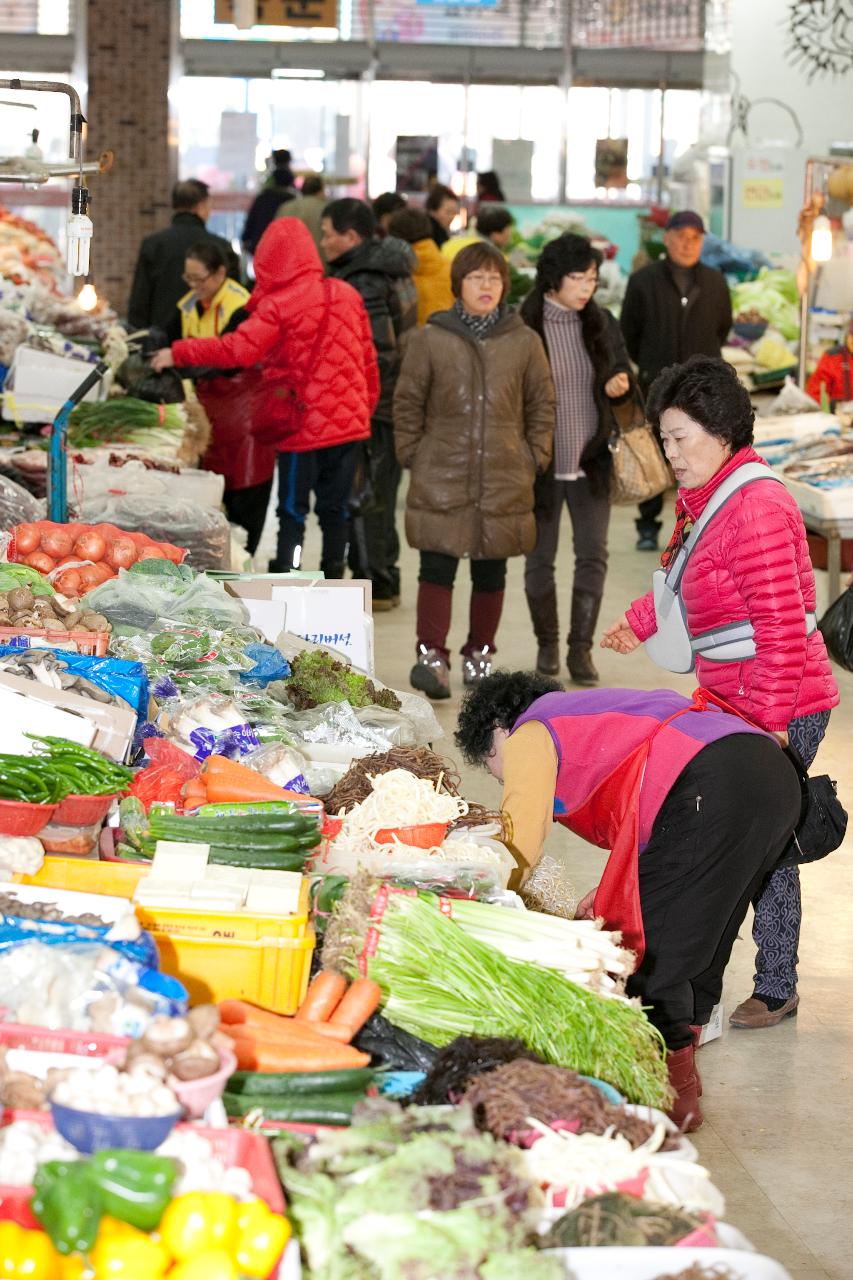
[271, 972]
[120, 881]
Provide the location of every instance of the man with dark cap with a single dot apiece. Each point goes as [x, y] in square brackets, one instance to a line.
[279, 187]
[674, 308]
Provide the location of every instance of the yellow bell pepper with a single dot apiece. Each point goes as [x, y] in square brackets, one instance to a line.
[213, 1264]
[199, 1222]
[261, 1238]
[25, 1253]
[123, 1252]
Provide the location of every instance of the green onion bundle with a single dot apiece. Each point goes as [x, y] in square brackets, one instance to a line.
[438, 982]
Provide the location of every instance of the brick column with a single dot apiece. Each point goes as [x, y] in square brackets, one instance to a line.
[131, 56]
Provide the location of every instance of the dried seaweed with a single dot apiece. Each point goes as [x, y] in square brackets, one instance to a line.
[463, 1059]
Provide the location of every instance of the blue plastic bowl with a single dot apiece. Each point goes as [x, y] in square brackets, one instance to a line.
[89, 1132]
[750, 332]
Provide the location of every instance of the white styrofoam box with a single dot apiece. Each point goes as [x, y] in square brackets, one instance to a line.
[70, 902]
[793, 427]
[652, 1262]
[826, 504]
[39, 383]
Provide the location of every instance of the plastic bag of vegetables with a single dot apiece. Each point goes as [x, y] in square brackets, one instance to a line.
[81, 556]
[152, 591]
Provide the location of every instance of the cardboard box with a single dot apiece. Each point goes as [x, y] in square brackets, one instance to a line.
[336, 615]
[27, 706]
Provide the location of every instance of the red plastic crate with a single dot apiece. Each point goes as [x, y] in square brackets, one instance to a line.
[94, 643]
[235, 1147]
[17, 1035]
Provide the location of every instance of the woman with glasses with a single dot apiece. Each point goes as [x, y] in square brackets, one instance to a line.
[591, 373]
[474, 420]
[213, 306]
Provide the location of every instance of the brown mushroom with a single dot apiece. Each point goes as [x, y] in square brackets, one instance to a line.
[204, 1020]
[167, 1036]
[196, 1062]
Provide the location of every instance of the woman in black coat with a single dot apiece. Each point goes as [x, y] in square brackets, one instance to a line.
[592, 373]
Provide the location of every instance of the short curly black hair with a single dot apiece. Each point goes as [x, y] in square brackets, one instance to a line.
[496, 703]
[709, 392]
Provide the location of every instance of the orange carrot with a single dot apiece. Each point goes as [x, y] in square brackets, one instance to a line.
[358, 1004]
[275, 1056]
[294, 1035]
[227, 781]
[331, 1031]
[322, 997]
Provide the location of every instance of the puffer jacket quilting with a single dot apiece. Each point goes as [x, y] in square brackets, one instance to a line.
[290, 302]
[752, 563]
[475, 422]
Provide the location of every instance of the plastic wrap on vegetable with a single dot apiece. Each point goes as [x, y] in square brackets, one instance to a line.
[281, 764]
[122, 681]
[79, 557]
[205, 533]
[269, 665]
[17, 504]
[154, 594]
[88, 987]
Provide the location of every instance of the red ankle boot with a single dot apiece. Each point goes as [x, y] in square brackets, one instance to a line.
[683, 1078]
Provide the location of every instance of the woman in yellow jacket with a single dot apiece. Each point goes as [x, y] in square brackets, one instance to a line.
[432, 273]
[213, 306]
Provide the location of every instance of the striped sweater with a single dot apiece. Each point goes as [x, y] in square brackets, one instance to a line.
[574, 382]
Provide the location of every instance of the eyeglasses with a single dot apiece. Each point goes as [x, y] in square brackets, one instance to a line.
[195, 281]
[481, 280]
[583, 277]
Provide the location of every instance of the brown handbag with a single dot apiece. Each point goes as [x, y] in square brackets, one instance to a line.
[639, 470]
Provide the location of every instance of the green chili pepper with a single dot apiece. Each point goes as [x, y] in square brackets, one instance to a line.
[68, 1205]
[135, 1186]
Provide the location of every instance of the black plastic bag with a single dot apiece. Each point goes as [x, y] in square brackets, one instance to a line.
[139, 380]
[836, 627]
[393, 1048]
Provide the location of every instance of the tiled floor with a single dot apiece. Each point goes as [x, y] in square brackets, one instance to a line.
[778, 1103]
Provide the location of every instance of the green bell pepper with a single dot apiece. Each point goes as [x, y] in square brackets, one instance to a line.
[68, 1205]
[135, 1186]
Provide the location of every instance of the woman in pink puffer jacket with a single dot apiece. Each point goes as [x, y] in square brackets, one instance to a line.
[751, 564]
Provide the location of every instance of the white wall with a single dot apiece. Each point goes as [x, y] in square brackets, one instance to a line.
[759, 43]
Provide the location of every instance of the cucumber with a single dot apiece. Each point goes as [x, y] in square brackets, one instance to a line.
[286, 825]
[283, 1083]
[259, 859]
[241, 809]
[333, 1109]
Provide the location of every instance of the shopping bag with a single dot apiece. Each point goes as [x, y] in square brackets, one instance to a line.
[836, 627]
[639, 469]
[823, 819]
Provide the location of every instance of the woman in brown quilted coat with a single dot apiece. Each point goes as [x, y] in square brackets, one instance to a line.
[474, 420]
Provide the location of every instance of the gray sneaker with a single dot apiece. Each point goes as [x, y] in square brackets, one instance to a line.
[476, 666]
[431, 675]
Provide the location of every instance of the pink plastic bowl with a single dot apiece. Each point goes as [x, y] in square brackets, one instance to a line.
[197, 1095]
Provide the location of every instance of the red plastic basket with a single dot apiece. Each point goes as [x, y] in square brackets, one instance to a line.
[17, 1035]
[423, 836]
[19, 818]
[236, 1148]
[93, 643]
[82, 811]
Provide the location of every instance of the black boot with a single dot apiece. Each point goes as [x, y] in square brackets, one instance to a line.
[546, 628]
[332, 569]
[585, 607]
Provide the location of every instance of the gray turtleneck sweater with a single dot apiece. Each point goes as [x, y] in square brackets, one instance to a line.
[574, 381]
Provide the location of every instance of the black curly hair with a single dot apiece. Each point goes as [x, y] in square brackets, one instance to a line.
[708, 391]
[496, 703]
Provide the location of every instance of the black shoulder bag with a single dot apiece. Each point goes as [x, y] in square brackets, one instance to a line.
[823, 819]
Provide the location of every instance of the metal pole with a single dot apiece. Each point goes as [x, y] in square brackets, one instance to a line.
[661, 143]
[565, 86]
[805, 297]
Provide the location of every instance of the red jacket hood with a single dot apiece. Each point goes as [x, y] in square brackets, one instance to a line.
[286, 256]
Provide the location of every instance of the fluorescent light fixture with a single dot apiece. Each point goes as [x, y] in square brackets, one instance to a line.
[821, 246]
[297, 73]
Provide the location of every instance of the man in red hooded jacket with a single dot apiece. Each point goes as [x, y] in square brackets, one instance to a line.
[319, 384]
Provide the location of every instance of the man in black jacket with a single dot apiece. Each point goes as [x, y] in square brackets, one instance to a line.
[158, 281]
[674, 308]
[381, 271]
[279, 188]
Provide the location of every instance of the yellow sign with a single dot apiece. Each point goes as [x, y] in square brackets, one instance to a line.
[763, 193]
[285, 13]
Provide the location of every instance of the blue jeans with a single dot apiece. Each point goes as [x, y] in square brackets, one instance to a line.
[778, 908]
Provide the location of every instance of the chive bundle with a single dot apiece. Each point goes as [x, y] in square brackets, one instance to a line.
[438, 982]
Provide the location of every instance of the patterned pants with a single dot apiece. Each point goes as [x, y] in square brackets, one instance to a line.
[778, 909]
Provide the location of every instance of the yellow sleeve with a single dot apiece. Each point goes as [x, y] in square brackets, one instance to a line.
[530, 781]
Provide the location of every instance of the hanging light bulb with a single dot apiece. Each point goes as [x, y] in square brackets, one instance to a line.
[821, 244]
[87, 298]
